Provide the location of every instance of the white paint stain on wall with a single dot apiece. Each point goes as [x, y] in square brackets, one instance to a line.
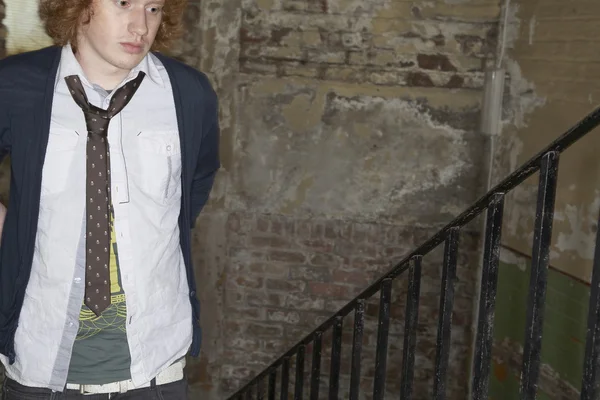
[532, 25]
[508, 256]
[578, 238]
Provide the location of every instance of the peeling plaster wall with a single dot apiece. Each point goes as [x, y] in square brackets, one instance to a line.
[553, 83]
[552, 65]
[364, 153]
[350, 136]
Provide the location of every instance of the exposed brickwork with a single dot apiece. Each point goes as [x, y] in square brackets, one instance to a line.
[379, 42]
[350, 135]
[288, 275]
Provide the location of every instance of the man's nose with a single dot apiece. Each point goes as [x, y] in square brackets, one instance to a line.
[139, 23]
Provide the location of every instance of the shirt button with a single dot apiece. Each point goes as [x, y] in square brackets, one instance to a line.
[169, 148]
[77, 280]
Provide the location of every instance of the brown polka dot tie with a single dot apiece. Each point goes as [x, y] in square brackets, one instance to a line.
[97, 273]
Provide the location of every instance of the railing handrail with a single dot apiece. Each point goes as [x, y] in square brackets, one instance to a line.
[576, 132]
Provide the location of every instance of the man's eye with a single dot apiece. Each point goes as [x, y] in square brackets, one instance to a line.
[123, 3]
[155, 10]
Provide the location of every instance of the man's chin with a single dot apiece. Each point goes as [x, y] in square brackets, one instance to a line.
[129, 62]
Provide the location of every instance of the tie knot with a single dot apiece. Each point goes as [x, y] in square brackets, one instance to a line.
[97, 119]
[120, 99]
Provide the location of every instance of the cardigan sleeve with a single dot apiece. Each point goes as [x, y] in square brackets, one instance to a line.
[208, 159]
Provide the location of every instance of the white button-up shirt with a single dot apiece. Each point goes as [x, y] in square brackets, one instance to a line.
[145, 159]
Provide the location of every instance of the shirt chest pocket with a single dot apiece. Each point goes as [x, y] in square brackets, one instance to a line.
[158, 172]
[58, 166]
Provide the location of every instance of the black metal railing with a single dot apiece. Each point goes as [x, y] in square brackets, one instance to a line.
[546, 162]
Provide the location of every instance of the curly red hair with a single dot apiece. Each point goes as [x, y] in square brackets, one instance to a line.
[61, 20]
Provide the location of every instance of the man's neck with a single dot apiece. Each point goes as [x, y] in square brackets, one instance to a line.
[99, 73]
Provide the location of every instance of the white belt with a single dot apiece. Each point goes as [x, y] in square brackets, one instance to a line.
[172, 374]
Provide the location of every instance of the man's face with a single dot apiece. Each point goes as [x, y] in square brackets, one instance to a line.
[120, 32]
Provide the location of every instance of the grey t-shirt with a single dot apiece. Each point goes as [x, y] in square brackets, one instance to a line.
[101, 352]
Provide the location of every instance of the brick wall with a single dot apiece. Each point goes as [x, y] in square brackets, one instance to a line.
[350, 136]
[287, 275]
[402, 43]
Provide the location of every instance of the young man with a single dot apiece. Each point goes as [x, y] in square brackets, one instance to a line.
[113, 153]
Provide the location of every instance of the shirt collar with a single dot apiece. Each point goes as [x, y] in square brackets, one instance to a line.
[70, 66]
[147, 66]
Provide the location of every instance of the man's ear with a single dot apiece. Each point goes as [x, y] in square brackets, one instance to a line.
[87, 15]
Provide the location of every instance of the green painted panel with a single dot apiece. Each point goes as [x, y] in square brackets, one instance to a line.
[510, 304]
[563, 342]
[504, 384]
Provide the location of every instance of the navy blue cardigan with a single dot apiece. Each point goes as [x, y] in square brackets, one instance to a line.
[26, 92]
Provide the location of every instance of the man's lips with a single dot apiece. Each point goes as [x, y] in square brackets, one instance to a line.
[132, 48]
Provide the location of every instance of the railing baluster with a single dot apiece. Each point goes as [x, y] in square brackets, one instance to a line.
[445, 319]
[260, 389]
[589, 387]
[285, 379]
[315, 376]
[359, 324]
[249, 393]
[336, 355]
[410, 327]
[299, 385]
[487, 298]
[272, 383]
[539, 273]
[382, 340]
